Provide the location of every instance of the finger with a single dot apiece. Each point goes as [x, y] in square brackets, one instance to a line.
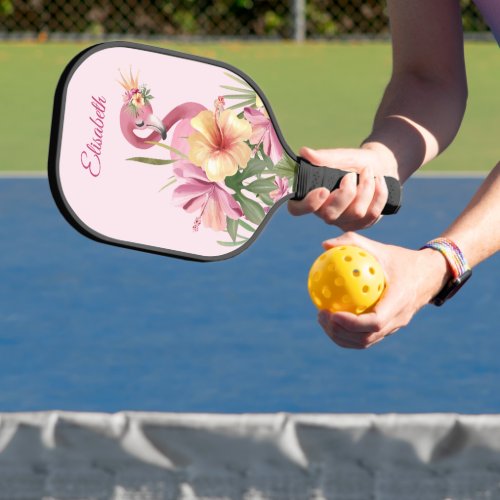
[338, 201]
[348, 238]
[366, 209]
[311, 203]
[362, 324]
[362, 340]
[365, 191]
[385, 318]
[344, 344]
[338, 334]
[342, 340]
[348, 338]
[380, 195]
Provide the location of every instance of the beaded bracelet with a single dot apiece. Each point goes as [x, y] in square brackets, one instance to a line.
[460, 269]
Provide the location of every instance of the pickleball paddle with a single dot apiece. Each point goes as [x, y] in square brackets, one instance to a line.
[172, 153]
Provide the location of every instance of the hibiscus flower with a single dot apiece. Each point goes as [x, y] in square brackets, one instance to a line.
[212, 200]
[137, 99]
[218, 143]
[263, 133]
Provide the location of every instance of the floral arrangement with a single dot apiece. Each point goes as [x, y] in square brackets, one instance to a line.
[229, 167]
[135, 97]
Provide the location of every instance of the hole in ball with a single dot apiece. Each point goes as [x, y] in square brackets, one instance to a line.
[317, 300]
[346, 299]
[356, 273]
[372, 270]
[348, 258]
[366, 289]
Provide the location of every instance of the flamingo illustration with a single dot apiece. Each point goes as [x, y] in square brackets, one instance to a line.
[137, 114]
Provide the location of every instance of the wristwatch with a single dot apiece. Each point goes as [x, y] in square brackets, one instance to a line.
[460, 270]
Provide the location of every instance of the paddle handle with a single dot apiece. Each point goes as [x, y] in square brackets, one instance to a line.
[310, 177]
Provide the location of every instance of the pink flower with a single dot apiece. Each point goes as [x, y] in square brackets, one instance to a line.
[282, 185]
[211, 199]
[263, 133]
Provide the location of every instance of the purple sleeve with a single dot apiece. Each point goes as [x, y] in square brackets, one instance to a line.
[490, 9]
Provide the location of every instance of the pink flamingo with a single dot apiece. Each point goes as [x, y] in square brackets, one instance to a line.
[137, 114]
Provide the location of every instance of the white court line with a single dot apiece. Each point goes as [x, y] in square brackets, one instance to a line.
[454, 174]
[23, 174]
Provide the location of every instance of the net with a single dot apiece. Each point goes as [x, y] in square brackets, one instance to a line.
[159, 456]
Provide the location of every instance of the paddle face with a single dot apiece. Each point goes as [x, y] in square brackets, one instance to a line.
[164, 152]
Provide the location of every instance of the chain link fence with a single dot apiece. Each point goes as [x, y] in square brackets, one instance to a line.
[283, 19]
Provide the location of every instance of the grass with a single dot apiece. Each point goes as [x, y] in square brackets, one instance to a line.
[323, 94]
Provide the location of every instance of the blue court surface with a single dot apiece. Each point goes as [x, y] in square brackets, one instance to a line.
[90, 327]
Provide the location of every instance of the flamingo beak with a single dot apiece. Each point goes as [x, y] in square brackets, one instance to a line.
[155, 123]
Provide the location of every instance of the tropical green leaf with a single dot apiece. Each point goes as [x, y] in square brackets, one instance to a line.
[254, 167]
[261, 186]
[172, 180]
[237, 79]
[151, 161]
[246, 226]
[234, 182]
[267, 161]
[238, 89]
[232, 227]
[170, 148]
[232, 243]
[252, 210]
[266, 199]
[238, 96]
[242, 104]
[286, 167]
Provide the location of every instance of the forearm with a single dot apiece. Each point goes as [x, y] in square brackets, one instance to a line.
[477, 230]
[424, 103]
[416, 120]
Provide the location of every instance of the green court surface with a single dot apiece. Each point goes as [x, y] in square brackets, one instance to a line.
[323, 94]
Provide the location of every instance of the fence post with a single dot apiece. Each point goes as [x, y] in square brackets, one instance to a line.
[299, 20]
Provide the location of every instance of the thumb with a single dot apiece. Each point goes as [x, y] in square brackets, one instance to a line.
[349, 238]
[350, 158]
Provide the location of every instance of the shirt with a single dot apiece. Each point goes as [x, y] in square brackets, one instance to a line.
[490, 9]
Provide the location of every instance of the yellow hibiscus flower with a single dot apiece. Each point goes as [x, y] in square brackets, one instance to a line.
[138, 100]
[217, 145]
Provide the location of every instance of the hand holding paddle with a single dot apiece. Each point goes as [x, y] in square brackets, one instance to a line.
[360, 199]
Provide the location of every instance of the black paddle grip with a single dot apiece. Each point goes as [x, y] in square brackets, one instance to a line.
[310, 177]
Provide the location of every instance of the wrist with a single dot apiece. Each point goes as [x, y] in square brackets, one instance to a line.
[437, 272]
[388, 162]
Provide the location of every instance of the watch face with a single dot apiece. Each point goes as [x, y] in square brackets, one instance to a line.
[451, 288]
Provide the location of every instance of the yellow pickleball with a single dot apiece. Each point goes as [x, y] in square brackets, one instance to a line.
[346, 278]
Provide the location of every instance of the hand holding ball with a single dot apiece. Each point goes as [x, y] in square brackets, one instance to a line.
[346, 278]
